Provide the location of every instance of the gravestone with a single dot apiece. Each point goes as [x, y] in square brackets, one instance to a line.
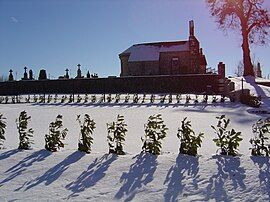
[42, 75]
[10, 77]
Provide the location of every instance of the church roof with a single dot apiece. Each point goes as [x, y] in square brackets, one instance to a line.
[151, 51]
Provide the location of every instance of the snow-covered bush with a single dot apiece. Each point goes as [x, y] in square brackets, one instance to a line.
[86, 130]
[86, 98]
[93, 98]
[135, 98]
[49, 98]
[117, 98]
[116, 135]
[214, 99]
[109, 98]
[152, 98]
[227, 140]
[127, 98]
[188, 98]
[178, 98]
[170, 98]
[196, 99]
[53, 140]
[260, 143]
[155, 132]
[189, 141]
[162, 99]
[63, 99]
[55, 98]
[143, 98]
[2, 130]
[79, 98]
[205, 98]
[25, 135]
[70, 100]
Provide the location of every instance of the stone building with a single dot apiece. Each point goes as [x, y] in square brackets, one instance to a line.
[164, 58]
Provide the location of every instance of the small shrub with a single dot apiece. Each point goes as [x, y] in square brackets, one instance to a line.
[127, 98]
[25, 135]
[162, 99]
[196, 101]
[109, 98]
[6, 99]
[260, 143]
[222, 99]
[152, 99]
[214, 99]
[49, 98]
[53, 140]
[86, 98]
[3, 126]
[79, 98]
[250, 100]
[55, 98]
[116, 135]
[86, 131]
[63, 99]
[70, 100]
[35, 98]
[143, 98]
[117, 98]
[205, 98]
[188, 98]
[178, 98]
[170, 98]
[155, 132]
[135, 98]
[93, 98]
[227, 140]
[189, 141]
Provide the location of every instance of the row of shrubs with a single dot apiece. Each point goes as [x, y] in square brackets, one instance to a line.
[155, 131]
[109, 98]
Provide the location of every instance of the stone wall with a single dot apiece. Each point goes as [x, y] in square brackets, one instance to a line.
[152, 84]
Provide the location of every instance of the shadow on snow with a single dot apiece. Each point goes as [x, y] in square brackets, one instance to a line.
[228, 169]
[55, 172]
[28, 161]
[9, 153]
[264, 172]
[185, 166]
[95, 172]
[140, 174]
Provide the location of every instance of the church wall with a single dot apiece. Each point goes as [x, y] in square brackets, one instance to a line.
[167, 68]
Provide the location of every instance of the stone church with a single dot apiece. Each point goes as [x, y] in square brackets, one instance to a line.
[164, 58]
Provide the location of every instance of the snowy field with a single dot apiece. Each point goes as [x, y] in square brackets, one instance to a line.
[39, 175]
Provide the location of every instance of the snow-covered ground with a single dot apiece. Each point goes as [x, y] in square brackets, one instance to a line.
[39, 175]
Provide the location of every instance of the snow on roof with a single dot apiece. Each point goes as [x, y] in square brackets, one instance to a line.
[151, 51]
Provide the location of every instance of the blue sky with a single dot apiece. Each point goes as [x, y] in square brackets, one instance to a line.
[59, 34]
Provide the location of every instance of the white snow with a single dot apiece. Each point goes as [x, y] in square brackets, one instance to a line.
[39, 175]
[144, 52]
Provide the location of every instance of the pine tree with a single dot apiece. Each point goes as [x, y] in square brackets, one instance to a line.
[25, 135]
[86, 131]
[53, 140]
[2, 130]
[155, 131]
[116, 135]
[227, 140]
[189, 141]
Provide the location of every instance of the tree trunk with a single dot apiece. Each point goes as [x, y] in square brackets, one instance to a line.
[248, 67]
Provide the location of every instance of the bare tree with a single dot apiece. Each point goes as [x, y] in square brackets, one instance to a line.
[249, 17]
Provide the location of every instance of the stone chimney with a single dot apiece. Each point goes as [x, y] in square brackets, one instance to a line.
[221, 69]
[191, 28]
